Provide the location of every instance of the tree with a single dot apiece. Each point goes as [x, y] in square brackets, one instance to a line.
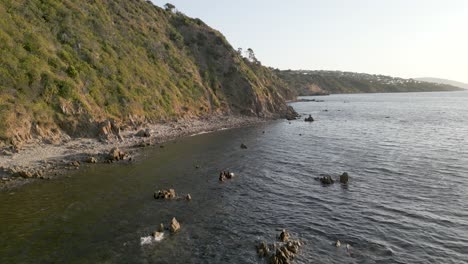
[169, 7]
[251, 56]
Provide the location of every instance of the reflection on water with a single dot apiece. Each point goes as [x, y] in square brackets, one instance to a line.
[406, 202]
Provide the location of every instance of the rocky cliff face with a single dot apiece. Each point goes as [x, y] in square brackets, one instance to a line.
[70, 67]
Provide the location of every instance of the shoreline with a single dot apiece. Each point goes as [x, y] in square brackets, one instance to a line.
[39, 161]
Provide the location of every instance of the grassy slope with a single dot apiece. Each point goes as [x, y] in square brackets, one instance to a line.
[67, 64]
[346, 82]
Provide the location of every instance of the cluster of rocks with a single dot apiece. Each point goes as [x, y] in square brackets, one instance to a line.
[282, 252]
[327, 180]
[92, 160]
[115, 154]
[25, 173]
[225, 175]
[174, 227]
[309, 119]
[170, 195]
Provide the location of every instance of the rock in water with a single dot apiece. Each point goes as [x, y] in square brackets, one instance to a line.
[309, 119]
[158, 236]
[188, 197]
[284, 236]
[92, 160]
[222, 176]
[116, 154]
[338, 243]
[175, 226]
[243, 146]
[165, 194]
[263, 250]
[161, 228]
[327, 180]
[344, 178]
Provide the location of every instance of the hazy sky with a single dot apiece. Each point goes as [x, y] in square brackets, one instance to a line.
[405, 38]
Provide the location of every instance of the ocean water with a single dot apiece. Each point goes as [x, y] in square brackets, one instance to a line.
[406, 202]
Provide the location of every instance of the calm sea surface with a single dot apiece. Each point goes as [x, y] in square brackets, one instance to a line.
[407, 200]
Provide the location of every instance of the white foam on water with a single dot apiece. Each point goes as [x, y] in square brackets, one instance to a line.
[150, 239]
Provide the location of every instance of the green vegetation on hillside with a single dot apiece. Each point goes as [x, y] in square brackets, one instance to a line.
[67, 64]
[325, 82]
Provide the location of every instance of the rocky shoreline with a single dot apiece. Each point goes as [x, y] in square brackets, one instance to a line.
[39, 161]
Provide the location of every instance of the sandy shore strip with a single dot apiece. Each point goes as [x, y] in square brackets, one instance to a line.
[46, 161]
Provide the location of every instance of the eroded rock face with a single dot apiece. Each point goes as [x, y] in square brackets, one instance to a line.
[109, 130]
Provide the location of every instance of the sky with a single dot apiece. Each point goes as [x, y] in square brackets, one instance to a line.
[401, 38]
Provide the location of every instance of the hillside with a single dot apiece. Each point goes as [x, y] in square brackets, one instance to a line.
[444, 81]
[325, 82]
[68, 66]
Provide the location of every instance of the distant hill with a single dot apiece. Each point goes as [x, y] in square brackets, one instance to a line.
[444, 81]
[324, 82]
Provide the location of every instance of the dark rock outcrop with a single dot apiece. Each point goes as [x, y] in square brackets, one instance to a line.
[309, 119]
[327, 180]
[344, 178]
[243, 146]
[291, 114]
[225, 175]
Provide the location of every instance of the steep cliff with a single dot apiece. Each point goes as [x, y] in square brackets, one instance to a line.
[69, 65]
